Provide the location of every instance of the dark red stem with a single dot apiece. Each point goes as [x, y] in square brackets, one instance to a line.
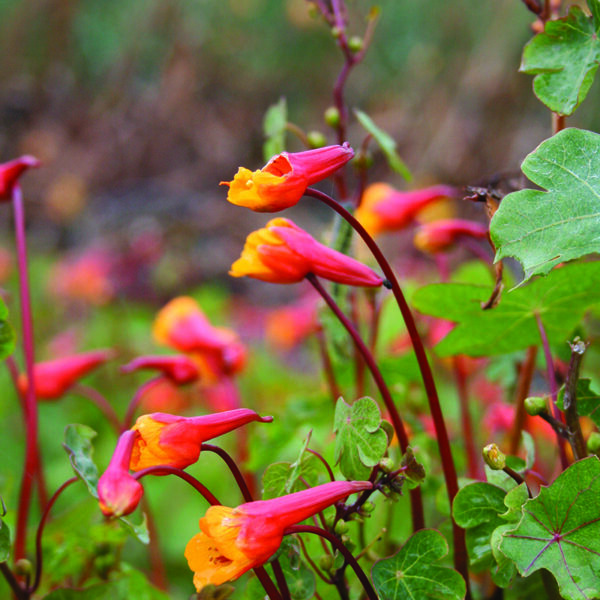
[327, 365]
[473, 457]
[232, 466]
[18, 591]
[40, 533]
[31, 414]
[101, 402]
[448, 467]
[320, 457]
[556, 414]
[337, 544]
[415, 494]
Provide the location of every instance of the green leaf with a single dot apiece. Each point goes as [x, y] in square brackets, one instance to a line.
[78, 444]
[477, 503]
[560, 299]
[412, 573]
[564, 58]
[4, 542]
[7, 333]
[588, 402]
[560, 532]
[300, 579]
[386, 143]
[274, 126]
[414, 470]
[544, 228]
[138, 531]
[360, 441]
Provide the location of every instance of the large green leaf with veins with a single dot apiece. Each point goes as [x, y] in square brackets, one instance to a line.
[542, 229]
[560, 299]
[564, 58]
[560, 532]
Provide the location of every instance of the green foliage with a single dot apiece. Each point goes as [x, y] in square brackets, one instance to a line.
[78, 444]
[386, 143]
[542, 229]
[274, 126]
[560, 532]
[412, 572]
[4, 541]
[127, 584]
[564, 58]
[360, 441]
[560, 299]
[588, 402]
[7, 333]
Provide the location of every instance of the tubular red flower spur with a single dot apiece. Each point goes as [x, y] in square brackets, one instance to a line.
[282, 252]
[284, 179]
[438, 236]
[11, 171]
[234, 540]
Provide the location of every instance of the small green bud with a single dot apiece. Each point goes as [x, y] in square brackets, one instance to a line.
[348, 542]
[494, 458]
[355, 44]
[332, 117]
[535, 405]
[367, 507]
[593, 442]
[386, 464]
[316, 139]
[336, 32]
[23, 568]
[313, 10]
[326, 562]
[341, 527]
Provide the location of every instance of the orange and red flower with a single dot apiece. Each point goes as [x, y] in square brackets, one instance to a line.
[11, 171]
[182, 325]
[284, 179]
[384, 208]
[438, 236]
[170, 440]
[281, 252]
[54, 377]
[234, 540]
[118, 492]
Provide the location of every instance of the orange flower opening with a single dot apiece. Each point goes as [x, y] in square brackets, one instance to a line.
[170, 440]
[282, 252]
[284, 179]
[234, 540]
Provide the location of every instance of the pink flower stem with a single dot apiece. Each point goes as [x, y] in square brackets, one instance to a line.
[13, 369]
[40, 533]
[232, 466]
[337, 544]
[556, 414]
[448, 467]
[31, 415]
[137, 398]
[415, 494]
[101, 402]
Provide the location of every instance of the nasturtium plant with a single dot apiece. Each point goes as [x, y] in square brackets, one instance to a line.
[564, 58]
[413, 571]
[78, 444]
[544, 228]
[4, 541]
[560, 299]
[560, 532]
[360, 441]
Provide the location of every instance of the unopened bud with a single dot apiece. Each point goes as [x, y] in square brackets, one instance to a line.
[336, 32]
[368, 507]
[535, 405]
[341, 527]
[316, 139]
[326, 562]
[332, 117]
[494, 458]
[386, 464]
[23, 568]
[362, 160]
[355, 43]
[350, 545]
[593, 442]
